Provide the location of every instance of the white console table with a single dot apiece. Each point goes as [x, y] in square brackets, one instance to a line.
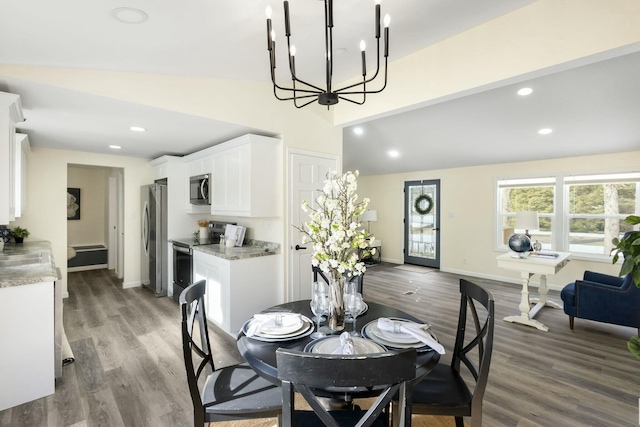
[533, 264]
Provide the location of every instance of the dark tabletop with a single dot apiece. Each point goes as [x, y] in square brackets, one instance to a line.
[261, 356]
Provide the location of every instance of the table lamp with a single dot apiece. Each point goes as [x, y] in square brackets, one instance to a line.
[527, 220]
[369, 215]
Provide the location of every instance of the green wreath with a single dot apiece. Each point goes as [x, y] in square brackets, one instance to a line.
[417, 204]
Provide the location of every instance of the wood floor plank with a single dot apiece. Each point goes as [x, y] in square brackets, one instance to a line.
[30, 414]
[128, 396]
[102, 409]
[87, 364]
[64, 406]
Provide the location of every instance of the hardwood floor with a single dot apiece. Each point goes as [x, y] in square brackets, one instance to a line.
[129, 369]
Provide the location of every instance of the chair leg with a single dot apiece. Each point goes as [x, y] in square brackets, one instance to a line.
[459, 422]
[571, 323]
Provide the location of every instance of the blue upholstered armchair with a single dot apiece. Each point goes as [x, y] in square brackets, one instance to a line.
[603, 298]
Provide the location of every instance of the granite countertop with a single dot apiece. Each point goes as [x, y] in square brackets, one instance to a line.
[253, 249]
[29, 273]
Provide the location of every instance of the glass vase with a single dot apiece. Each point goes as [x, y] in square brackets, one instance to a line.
[335, 319]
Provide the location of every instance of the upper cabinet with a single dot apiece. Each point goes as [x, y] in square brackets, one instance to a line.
[23, 150]
[10, 114]
[246, 177]
[166, 166]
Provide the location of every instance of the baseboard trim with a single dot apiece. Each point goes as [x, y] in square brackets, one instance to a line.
[86, 267]
[131, 285]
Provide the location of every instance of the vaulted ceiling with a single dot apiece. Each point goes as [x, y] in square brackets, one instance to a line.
[591, 109]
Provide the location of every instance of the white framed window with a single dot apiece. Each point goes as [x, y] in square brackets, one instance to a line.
[580, 214]
[527, 194]
[595, 209]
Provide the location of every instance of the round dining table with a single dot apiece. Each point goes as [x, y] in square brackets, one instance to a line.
[261, 355]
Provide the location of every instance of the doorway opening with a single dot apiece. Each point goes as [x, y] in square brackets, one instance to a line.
[94, 218]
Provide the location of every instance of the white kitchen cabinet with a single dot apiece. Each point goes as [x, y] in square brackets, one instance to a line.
[237, 289]
[10, 114]
[23, 150]
[164, 166]
[199, 166]
[246, 177]
[27, 360]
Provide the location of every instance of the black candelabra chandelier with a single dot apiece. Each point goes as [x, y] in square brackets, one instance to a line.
[305, 93]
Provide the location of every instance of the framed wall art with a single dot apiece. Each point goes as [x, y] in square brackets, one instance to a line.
[73, 203]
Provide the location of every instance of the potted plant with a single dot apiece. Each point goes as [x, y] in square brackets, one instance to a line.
[629, 247]
[19, 234]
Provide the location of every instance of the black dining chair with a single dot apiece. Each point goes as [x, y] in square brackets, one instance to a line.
[317, 272]
[444, 391]
[314, 375]
[230, 393]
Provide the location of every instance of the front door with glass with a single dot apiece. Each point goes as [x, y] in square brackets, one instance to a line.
[422, 223]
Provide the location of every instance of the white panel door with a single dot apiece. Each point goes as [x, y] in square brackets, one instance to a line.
[307, 173]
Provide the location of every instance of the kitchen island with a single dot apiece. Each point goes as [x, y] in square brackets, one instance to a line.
[31, 319]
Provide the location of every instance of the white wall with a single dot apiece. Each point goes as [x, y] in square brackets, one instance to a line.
[46, 215]
[467, 212]
[91, 228]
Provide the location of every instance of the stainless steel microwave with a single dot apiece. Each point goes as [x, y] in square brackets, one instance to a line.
[199, 189]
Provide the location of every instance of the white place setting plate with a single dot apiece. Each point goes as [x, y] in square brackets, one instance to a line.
[392, 339]
[273, 333]
[330, 344]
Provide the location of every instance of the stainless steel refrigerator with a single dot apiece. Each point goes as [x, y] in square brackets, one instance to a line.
[153, 253]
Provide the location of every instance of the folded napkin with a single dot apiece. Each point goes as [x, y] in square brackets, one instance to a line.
[346, 345]
[414, 329]
[267, 321]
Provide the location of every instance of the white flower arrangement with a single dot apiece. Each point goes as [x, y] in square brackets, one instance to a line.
[337, 236]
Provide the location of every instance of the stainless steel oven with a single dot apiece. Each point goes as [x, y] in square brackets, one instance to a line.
[182, 268]
[183, 256]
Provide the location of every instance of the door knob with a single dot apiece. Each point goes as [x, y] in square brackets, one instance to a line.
[298, 247]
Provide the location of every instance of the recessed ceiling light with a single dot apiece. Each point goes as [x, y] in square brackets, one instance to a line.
[545, 131]
[525, 91]
[129, 15]
[137, 129]
[115, 147]
[393, 153]
[358, 130]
